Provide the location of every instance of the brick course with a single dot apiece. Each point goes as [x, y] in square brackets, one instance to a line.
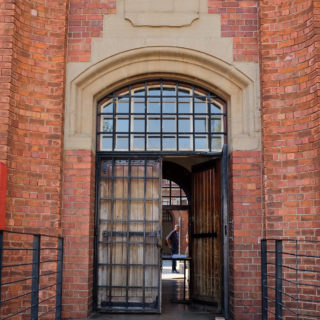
[246, 227]
[85, 23]
[78, 231]
[239, 20]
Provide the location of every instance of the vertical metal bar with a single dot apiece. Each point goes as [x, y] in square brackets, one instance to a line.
[278, 279]
[112, 226]
[128, 231]
[144, 232]
[159, 160]
[297, 290]
[59, 279]
[224, 228]
[35, 277]
[264, 279]
[1, 250]
[96, 232]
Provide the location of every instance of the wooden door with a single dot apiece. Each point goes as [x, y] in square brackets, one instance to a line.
[128, 235]
[205, 234]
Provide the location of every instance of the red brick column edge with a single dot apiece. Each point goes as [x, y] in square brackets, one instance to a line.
[78, 232]
[246, 228]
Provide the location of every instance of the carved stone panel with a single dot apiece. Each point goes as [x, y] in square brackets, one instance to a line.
[164, 13]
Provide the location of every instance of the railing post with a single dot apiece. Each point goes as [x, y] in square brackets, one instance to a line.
[35, 277]
[1, 250]
[59, 279]
[278, 279]
[264, 279]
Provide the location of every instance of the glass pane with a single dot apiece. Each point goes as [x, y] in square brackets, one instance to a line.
[106, 143]
[200, 125]
[216, 124]
[185, 143]
[122, 125]
[169, 125]
[216, 143]
[184, 125]
[153, 143]
[201, 142]
[139, 93]
[214, 108]
[200, 106]
[138, 142]
[154, 91]
[182, 92]
[154, 125]
[138, 125]
[169, 106]
[138, 107]
[108, 108]
[184, 107]
[154, 107]
[169, 143]
[123, 105]
[107, 125]
[122, 142]
[167, 91]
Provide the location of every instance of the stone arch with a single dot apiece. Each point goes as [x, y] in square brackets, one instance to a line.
[167, 62]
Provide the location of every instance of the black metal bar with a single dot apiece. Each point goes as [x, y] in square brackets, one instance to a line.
[128, 229]
[35, 277]
[1, 250]
[278, 279]
[225, 230]
[59, 279]
[144, 233]
[264, 279]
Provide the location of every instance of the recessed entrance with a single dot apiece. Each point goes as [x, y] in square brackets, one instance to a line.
[150, 134]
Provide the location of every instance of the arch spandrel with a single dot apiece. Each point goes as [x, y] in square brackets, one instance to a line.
[238, 89]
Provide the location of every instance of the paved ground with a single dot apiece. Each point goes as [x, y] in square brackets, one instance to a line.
[172, 289]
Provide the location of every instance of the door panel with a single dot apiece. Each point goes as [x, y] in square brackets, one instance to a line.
[129, 234]
[206, 245]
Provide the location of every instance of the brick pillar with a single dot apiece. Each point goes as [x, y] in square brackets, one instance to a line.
[35, 131]
[246, 224]
[289, 35]
[78, 232]
[6, 38]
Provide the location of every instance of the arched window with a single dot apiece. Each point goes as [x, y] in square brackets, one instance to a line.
[173, 194]
[161, 116]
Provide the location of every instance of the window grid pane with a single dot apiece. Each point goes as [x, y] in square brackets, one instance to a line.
[162, 116]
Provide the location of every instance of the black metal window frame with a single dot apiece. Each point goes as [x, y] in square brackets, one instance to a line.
[172, 198]
[147, 238]
[127, 114]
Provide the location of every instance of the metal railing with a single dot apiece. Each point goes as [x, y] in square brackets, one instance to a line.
[30, 276]
[290, 274]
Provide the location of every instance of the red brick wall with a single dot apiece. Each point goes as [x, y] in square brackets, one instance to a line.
[36, 114]
[85, 23]
[78, 232]
[239, 19]
[6, 33]
[290, 117]
[246, 226]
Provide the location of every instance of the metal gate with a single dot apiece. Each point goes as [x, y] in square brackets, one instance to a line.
[128, 234]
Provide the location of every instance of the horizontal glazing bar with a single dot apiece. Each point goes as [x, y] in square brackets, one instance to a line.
[128, 264]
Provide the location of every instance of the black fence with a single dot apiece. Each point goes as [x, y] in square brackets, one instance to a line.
[30, 276]
[290, 273]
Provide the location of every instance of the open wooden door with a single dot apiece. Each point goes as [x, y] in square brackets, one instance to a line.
[205, 234]
[128, 235]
